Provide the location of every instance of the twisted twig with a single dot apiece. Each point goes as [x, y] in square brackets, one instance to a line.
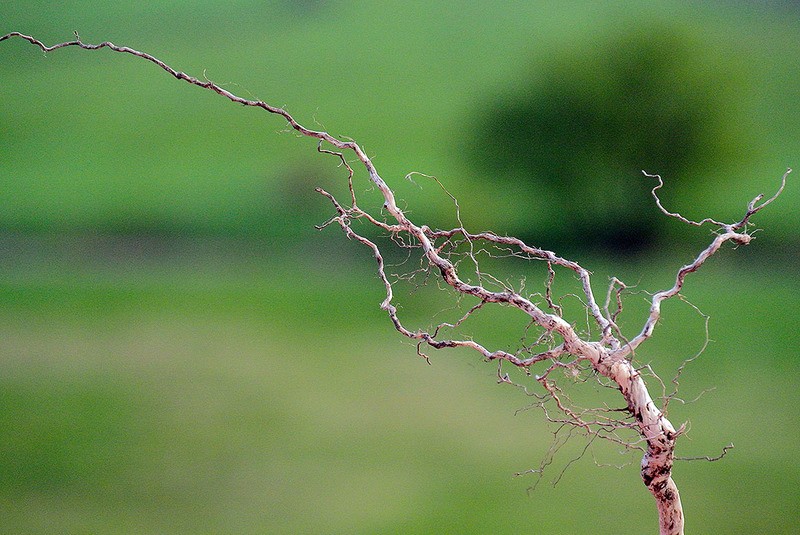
[606, 356]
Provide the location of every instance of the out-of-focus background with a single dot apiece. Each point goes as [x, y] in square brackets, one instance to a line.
[181, 352]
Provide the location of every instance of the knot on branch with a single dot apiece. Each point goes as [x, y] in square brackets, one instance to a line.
[741, 238]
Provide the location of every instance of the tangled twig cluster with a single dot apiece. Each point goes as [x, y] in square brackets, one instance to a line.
[559, 347]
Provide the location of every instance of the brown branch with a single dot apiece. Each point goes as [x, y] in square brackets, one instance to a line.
[708, 458]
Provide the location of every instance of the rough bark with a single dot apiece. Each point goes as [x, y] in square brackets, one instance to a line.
[660, 437]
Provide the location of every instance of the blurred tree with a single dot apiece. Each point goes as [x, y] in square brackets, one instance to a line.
[584, 126]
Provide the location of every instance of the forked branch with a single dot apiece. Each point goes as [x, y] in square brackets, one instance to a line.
[601, 352]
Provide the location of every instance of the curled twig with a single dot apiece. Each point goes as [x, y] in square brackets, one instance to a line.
[573, 351]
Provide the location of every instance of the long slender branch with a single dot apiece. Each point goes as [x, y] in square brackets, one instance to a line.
[727, 232]
[422, 234]
[607, 357]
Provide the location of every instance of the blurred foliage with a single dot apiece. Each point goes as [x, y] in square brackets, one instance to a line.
[702, 95]
[579, 131]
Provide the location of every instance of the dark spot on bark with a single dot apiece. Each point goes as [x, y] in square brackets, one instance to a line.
[663, 470]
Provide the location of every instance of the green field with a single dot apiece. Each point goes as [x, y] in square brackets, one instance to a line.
[193, 402]
[183, 353]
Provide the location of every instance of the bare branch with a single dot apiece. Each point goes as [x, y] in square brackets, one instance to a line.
[753, 207]
[675, 380]
[605, 360]
[726, 232]
[725, 451]
[675, 214]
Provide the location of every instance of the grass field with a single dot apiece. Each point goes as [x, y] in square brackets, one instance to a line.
[253, 399]
[182, 353]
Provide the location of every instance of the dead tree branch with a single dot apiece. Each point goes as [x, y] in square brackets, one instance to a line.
[605, 356]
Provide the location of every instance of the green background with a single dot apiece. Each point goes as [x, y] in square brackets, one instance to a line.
[181, 352]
